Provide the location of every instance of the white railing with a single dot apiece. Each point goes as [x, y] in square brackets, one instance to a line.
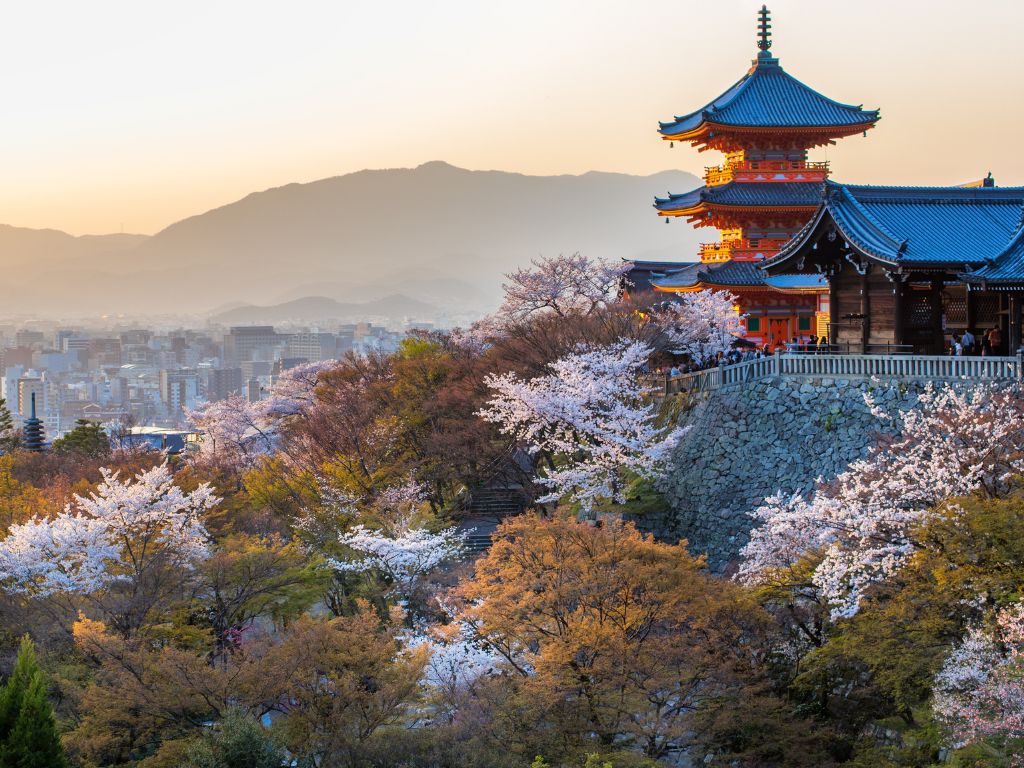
[908, 367]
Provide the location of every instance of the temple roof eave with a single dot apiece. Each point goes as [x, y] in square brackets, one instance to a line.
[901, 227]
[769, 98]
[705, 130]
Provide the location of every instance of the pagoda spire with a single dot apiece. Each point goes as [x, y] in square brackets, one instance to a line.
[764, 32]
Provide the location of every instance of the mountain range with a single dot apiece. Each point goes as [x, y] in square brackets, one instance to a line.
[439, 234]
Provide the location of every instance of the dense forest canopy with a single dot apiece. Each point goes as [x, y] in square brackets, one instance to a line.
[299, 591]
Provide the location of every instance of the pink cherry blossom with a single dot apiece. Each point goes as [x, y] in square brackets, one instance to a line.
[591, 415]
[862, 527]
[110, 535]
[979, 692]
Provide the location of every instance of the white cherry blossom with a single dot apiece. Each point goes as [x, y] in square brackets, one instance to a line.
[110, 535]
[862, 526]
[591, 415]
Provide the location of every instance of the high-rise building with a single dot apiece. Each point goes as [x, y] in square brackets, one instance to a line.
[312, 346]
[179, 389]
[253, 391]
[27, 388]
[251, 342]
[221, 383]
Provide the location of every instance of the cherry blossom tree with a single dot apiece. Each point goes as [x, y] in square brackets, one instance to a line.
[404, 557]
[458, 657]
[979, 692]
[110, 544]
[700, 324]
[561, 285]
[862, 527]
[294, 391]
[233, 431]
[589, 415]
[237, 433]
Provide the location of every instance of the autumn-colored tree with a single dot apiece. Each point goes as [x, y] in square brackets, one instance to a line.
[334, 683]
[247, 577]
[351, 681]
[622, 636]
[19, 501]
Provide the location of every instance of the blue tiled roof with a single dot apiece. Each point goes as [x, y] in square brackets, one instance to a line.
[642, 274]
[1007, 267]
[735, 274]
[683, 276]
[793, 282]
[746, 193]
[949, 226]
[769, 97]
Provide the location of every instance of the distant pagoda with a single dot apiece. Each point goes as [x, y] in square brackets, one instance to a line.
[761, 196]
[33, 434]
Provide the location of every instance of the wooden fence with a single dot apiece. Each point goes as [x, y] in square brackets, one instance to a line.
[908, 367]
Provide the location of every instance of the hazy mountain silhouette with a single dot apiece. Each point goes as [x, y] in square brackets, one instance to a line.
[318, 309]
[441, 234]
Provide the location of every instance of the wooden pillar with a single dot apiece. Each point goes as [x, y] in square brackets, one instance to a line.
[833, 306]
[935, 298]
[898, 334]
[1013, 334]
[865, 310]
[972, 312]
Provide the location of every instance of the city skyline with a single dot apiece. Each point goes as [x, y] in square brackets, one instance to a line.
[126, 119]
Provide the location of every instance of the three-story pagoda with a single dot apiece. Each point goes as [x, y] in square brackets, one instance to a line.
[762, 194]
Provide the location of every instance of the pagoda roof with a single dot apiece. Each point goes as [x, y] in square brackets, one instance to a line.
[642, 273]
[735, 274]
[744, 194]
[768, 97]
[912, 226]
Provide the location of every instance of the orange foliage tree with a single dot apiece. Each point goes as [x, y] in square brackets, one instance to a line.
[616, 634]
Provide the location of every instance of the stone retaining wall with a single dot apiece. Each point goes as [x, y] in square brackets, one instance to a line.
[748, 441]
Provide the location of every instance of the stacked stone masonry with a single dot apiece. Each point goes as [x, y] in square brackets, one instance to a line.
[750, 440]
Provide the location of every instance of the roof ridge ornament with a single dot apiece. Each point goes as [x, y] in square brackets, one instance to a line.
[764, 33]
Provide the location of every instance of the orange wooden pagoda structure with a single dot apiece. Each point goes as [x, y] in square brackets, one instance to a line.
[762, 194]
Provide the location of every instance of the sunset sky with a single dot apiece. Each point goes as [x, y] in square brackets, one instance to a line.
[129, 115]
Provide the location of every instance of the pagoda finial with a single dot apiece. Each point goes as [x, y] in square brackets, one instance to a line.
[764, 30]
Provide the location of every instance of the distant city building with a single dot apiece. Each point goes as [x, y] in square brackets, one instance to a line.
[179, 390]
[29, 389]
[22, 356]
[253, 391]
[312, 346]
[28, 338]
[252, 369]
[105, 352]
[251, 342]
[221, 383]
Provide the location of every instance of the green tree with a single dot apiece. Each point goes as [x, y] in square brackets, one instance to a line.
[28, 731]
[8, 432]
[239, 742]
[88, 438]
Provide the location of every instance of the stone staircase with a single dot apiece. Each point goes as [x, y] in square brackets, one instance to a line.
[487, 508]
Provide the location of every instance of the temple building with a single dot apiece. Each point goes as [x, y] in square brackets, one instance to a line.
[909, 267]
[765, 191]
